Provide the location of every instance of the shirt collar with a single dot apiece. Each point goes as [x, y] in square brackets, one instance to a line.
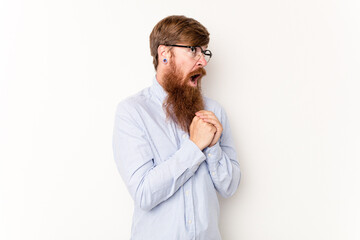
[158, 91]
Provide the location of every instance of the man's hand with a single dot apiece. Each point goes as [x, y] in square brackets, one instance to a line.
[201, 132]
[210, 117]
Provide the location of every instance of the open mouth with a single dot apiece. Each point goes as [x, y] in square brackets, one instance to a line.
[194, 79]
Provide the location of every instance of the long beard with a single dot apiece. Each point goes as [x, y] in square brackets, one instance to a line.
[182, 101]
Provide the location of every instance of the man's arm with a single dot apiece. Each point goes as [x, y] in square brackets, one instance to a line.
[221, 157]
[150, 184]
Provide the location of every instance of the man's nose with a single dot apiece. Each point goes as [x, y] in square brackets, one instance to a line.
[202, 60]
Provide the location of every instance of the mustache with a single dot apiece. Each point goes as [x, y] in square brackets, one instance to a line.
[200, 71]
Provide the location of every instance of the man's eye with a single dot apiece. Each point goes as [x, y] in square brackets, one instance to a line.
[193, 49]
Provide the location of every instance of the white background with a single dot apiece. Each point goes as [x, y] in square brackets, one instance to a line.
[286, 71]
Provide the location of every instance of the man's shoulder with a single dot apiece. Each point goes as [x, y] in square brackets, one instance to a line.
[134, 101]
[212, 105]
[215, 107]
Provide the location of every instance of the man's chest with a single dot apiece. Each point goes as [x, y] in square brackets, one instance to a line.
[164, 137]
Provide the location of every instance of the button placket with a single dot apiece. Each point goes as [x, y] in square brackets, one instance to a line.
[189, 207]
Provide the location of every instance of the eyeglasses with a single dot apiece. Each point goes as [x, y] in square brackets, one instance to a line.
[196, 51]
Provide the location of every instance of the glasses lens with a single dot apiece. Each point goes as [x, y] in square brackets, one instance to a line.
[207, 55]
[197, 52]
[207, 58]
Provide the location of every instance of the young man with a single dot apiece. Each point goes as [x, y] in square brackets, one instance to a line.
[172, 146]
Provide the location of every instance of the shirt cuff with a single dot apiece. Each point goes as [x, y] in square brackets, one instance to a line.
[194, 154]
[213, 154]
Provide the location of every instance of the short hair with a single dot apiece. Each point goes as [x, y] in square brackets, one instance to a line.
[174, 29]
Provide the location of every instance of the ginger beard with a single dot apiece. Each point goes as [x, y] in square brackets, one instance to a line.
[183, 100]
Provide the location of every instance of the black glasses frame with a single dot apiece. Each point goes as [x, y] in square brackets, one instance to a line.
[206, 52]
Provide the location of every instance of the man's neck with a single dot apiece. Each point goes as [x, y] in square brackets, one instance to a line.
[160, 77]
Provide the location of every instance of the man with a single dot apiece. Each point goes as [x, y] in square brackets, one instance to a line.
[172, 146]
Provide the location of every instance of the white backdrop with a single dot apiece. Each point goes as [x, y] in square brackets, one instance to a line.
[286, 71]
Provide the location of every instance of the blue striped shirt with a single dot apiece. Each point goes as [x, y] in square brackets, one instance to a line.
[172, 182]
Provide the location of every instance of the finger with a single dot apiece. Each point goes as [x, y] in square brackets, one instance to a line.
[206, 114]
[211, 126]
[208, 123]
[209, 117]
[203, 112]
[213, 122]
[204, 118]
[205, 123]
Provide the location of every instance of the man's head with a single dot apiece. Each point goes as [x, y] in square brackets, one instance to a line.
[179, 49]
[175, 30]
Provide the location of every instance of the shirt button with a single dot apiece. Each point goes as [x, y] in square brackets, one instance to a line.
[209, 154]
[184, 136]
[213, 173]
[189, 221]
[187, 192]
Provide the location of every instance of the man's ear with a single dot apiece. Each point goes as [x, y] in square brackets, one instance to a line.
[163, 52]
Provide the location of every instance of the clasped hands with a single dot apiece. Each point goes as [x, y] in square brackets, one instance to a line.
[205, 129]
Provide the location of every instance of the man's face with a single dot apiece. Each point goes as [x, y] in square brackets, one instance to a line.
[189, 66]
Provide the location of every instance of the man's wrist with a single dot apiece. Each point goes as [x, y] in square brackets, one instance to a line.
[200, 147]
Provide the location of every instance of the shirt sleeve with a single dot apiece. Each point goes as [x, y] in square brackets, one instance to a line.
[149, 184]
[222, 162]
